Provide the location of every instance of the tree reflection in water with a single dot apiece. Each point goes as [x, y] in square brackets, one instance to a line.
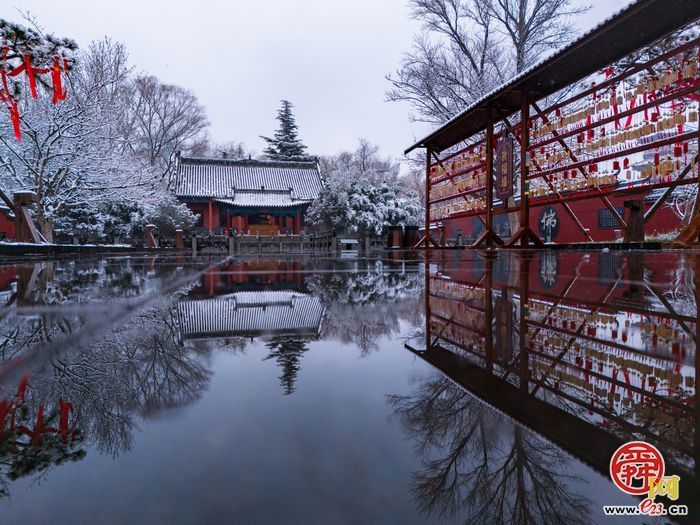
[364, 306]
[287, 353]
[144, 365]
[480, 467]
[131, 371]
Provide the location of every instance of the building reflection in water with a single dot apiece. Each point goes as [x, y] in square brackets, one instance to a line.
[580, 352]
[90, 397]
[248, 300]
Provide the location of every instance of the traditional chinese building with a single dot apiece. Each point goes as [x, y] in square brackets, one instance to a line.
[251, 299]
[248, 196]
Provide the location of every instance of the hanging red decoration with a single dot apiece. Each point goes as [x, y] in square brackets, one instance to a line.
[65, 409]
[21, 56]
[30, 76]
[14, 116]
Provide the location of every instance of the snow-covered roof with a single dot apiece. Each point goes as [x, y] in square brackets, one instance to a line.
[248, 182]
[263, 199]
[635, 25]
[250, 314]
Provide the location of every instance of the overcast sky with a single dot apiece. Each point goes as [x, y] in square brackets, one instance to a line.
[329, 57]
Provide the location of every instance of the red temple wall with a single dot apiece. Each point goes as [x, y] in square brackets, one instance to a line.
[7, 225]
[663, 221]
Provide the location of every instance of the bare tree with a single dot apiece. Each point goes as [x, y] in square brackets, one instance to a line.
[364, 161]
[164, 119]
[479, 466]
[457, 61]
[230, 150]
[534, 26]
[472, 46]
[414, 180]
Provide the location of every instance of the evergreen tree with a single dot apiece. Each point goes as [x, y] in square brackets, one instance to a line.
[287, 353]
[285, 145]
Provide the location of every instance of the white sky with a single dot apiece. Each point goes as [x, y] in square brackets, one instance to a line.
[329, 57]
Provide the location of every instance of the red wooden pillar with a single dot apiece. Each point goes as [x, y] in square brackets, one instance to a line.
[297, 224]
[210, 215]
[427, 201]
[524, 172]
[245, 223]
[489, 173]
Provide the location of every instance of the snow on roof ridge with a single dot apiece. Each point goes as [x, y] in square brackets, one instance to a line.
[248, 162]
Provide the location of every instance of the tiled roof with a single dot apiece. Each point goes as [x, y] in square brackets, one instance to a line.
[248, 182]
[250, 314]
[263, 199]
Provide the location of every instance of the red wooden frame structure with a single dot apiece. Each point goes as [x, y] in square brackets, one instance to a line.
[630, 125]
[598, 339]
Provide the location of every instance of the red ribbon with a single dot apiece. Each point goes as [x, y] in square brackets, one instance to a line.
[630, 107]
[22, 387]
[65, 409]
[5, 408]
[58, 92]
[14, 115]
[30, 75]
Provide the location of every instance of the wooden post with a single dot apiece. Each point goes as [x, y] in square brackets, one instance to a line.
[25, 231]
[524, 233]
[488, 312]
[427, 197]
[151, 241]
[524, 336]
[524, 143]
[489, 173]
[489, 238]
[179, 239]
[194, 246]
[428, 344]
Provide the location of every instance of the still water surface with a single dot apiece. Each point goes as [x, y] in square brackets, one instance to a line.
[171, 390]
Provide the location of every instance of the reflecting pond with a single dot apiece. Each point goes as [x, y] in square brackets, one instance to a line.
[462, 389]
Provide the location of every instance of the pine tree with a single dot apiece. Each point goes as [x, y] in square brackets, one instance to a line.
[287, 354]
[285, 145]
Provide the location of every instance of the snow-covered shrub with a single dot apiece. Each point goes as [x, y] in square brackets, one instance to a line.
[167, 214]
[355, 202]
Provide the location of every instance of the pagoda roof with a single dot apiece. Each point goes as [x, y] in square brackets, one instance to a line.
[248, 183]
